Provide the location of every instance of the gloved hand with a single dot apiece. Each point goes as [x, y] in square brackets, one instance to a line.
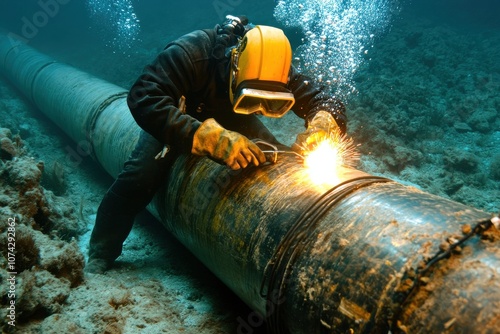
[321, 127]
[229, 147]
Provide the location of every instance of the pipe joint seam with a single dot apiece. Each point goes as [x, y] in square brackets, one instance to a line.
[412, 277]
[15, 45]
[90, 126]
[38, 71]
[297, 238]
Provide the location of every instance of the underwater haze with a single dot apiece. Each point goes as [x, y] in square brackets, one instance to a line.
[420, 80]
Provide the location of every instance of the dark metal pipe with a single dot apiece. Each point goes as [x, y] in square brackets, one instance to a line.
[316, 261]
[349, 258]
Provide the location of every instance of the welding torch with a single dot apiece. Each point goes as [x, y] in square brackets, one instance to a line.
[272, 153]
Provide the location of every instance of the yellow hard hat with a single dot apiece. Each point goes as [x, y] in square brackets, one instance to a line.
[260, 66]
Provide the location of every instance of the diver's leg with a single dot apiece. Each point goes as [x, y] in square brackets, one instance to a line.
[131, 192]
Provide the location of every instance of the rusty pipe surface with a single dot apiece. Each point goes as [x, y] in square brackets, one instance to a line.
[348, 258]
[315, 261]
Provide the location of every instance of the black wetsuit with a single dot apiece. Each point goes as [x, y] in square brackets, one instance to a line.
[188, 67]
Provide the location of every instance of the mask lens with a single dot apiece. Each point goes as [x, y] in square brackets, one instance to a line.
[267, 103]
[250, 104]
[276, 106]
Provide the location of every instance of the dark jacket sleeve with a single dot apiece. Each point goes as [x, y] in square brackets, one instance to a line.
[310, 98]
[154, 97]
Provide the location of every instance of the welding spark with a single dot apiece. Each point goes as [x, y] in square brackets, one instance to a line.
[330, 154]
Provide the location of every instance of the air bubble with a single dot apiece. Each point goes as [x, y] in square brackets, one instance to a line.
[338, 33]
[117, 19]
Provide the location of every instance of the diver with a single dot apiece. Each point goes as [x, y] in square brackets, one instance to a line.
[201, 95]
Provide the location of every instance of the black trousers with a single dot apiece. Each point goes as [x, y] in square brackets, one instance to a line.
[139, 181]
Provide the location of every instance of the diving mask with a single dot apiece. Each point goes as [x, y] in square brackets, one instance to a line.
[260, 66]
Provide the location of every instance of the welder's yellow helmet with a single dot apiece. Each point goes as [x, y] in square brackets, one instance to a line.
[260, 66]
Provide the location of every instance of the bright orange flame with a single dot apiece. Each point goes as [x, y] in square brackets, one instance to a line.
[323, 162]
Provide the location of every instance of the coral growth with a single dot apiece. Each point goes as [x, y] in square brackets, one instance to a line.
[36, 245]
[8, 149]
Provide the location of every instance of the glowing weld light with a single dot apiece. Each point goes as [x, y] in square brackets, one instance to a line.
[324, 161]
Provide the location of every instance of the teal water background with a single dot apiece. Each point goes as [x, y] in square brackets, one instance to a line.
[420, 78]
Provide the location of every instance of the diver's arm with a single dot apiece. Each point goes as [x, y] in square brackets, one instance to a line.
[310, 99]
[154, 97]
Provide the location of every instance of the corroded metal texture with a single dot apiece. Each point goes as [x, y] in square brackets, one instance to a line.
[352, 250]
[345, 258]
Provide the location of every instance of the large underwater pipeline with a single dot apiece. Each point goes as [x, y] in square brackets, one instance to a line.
[352, 258]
